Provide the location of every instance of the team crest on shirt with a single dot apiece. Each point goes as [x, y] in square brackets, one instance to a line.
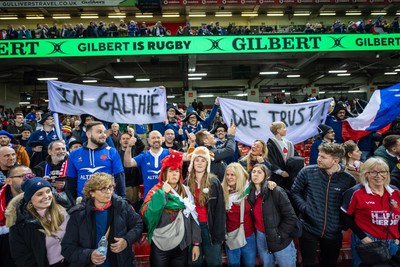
[394, 203]
[80, 159]
[103, 157]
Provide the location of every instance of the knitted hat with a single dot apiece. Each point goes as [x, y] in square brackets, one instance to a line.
[190, 113]
[44, 117]
[200, 151]
[174, 161]
[67, 129]
[7, 134]
[323, 129]
[31, 186]
[24, 128]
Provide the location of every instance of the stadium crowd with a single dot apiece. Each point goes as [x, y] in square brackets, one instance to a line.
[84, 198]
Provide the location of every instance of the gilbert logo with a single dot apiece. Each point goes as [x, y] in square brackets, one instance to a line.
[370, 202]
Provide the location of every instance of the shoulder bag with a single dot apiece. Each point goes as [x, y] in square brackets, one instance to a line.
[237, 239]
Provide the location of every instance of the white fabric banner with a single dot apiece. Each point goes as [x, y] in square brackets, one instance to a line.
[253, 119]
[112, 104]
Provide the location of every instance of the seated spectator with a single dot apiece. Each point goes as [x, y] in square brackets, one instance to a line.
[22, 156]
[24, 138]
[169, 141]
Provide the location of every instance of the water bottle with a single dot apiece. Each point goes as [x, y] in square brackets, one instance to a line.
[103, 245]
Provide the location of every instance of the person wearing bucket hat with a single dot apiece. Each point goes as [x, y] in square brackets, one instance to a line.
[335, 120]
[326, 135]
[173, 122]
[169, 208]
[21, 153]
[193, 122]
[37, 225]
[46, 135]
[210, 206]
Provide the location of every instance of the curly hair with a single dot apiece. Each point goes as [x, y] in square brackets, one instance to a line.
[96, 182]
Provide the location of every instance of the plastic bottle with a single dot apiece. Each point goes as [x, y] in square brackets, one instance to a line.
[103, 245]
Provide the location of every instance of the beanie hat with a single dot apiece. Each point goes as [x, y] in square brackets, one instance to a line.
[200, 151]
[174, 161]
[323, 129]
[7, 134]
[31, 186]
[67, 129]
[24, 128]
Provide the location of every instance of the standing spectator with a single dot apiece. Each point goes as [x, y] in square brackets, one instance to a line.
[203, 30]
[10, 189]
[326, 135]
[133, 176]
[37, 225]
[317, 194]
[80, 31]
[217, 30]
[179, 32]
[210, 207]
[171, 218]
[7, 161]
[91, 30]
[102, 31]
[335, 120]
[115, 134]
[133, 29]
[235, 187]
[122, 28]
[112, 29]
[53, 32]
[352, 159]
[19, 124]
[144, 30]
[24, 138]
[149, 162]
[369, 27]
[395, 25]
[31, 116]
[258, 154]
[11, 32]
[308, 29]
[70, 33]
[390, 151]
[46, 135]
[280, 150]
[94, 156]
[378, 25]
[169, 141]
[187, 30]
[274, 220]
[158, 30]
[38, 31]
[63, 31]
[367, 211]
[102, 214]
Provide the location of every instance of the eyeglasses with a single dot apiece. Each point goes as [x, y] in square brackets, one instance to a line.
[106, 189]
[220, 131]
[24, 177]
[375, 173]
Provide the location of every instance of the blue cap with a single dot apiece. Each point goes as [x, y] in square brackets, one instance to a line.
[6, 134]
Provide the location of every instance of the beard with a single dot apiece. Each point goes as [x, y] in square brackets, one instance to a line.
[97, 142]
[57, 159]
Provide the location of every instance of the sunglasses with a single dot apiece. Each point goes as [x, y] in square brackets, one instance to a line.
[24, 177]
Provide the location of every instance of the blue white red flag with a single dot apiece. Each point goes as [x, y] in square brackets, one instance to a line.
[381, 110]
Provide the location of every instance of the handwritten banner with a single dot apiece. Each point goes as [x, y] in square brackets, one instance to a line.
[254, 119]
[112, 104]
[174, 45]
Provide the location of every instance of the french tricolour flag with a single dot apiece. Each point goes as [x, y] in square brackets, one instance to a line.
[381, 110]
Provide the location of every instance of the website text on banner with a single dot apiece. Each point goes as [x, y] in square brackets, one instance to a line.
[113, 104]
[254, 119]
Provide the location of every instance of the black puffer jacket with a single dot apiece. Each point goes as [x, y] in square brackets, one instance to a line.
[216, 217]
[318, 198]
[80, 238]
[278, 216]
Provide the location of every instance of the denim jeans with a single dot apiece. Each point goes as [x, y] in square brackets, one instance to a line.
[355, 241]
[285, 257]
[245, 255]
[212, 253]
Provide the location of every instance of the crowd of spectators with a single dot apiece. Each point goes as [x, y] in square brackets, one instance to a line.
[133, 29]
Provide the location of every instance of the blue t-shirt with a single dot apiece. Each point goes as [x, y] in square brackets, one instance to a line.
[83, 162]
[150, 165]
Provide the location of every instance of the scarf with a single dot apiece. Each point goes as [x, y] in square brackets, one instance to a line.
[238, 197]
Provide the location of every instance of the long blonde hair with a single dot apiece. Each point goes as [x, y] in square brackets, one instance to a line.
[52, 219]
[241, 179]
[247, 158]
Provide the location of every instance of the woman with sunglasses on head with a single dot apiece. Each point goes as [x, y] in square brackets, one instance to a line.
[37, 225]
[274, 220]
[171, 218]
[102, 215]
[371, 206]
